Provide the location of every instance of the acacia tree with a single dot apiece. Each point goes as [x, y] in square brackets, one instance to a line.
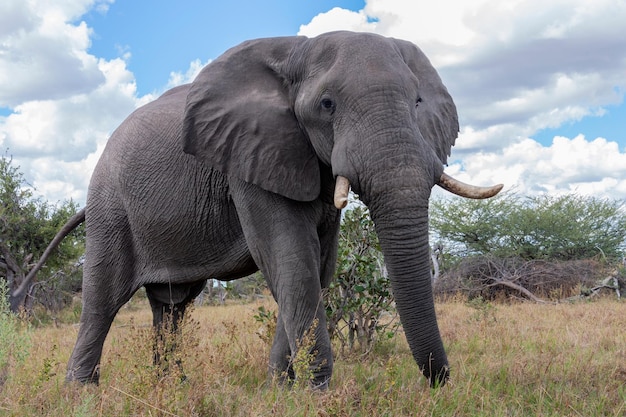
[566, 227]
[27, 225]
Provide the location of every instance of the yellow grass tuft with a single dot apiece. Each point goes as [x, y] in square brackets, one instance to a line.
[506, 360]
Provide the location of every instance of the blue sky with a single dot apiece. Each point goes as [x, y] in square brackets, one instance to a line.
[167, 35]
[539, 86]
[612, 124]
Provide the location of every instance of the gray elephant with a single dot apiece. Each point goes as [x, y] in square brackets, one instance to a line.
[248, 168]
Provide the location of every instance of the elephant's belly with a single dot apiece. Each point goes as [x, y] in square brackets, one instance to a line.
[187, 257]
[189, 240]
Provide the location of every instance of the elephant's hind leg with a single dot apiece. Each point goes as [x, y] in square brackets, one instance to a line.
[84, 362]
[168, 303]
[107, 286]
[99, 309]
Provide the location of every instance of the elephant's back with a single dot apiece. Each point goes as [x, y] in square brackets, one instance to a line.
[149, 136]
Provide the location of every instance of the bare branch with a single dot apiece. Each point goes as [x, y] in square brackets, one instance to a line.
[519, 288]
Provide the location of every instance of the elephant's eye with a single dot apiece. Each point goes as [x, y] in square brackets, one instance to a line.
[328, 105]
[418, 101]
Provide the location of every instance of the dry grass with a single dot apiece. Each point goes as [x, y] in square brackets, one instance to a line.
[507, 360]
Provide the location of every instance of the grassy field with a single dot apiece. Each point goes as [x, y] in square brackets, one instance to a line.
[506, 360]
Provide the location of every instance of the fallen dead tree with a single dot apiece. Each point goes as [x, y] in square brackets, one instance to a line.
[616, 282]
[540, 281]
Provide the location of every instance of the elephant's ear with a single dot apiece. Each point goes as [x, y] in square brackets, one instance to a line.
[436, 112]
[239, 120]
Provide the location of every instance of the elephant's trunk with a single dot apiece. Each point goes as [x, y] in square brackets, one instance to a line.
[395, 184]
[400, 212]
[403, 236]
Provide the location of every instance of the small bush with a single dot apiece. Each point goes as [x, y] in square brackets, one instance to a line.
[14, 339]
[359, 303]
[267, 318]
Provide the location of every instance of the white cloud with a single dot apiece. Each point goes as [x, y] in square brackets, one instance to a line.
[65, 101]
[337, 19]
[179, 78]
[57, 142]
[42, 55]
[595, 167]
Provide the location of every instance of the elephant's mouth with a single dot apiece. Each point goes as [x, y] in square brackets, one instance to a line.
[448, 183]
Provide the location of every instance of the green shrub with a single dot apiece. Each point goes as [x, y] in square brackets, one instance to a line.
[359, 303]
[14, 338]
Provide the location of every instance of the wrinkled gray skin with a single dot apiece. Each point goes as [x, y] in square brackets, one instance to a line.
[235, 172]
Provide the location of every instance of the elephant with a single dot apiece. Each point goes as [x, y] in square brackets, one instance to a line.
[248, 168]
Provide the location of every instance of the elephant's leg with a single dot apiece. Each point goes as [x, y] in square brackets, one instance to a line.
[304, 323]
[280, 363]
[102, 299]
[168, 303]
[280, 366]
[108, 279]
[84, 363]
[282, 236]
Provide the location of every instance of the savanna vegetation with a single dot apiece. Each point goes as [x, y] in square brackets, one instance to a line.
[545, 248]
[27, 225]
[521, 359]
[565, 356]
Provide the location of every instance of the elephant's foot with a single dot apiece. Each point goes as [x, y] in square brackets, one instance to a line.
[74, 375]
[288, 379]
[164, 370]
[320, 384]
[284, 377]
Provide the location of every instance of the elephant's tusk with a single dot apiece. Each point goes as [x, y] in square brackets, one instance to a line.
[465, 190]
[342, 187]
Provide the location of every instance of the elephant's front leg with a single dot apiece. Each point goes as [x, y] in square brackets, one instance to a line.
[280, 367]
[282, 236]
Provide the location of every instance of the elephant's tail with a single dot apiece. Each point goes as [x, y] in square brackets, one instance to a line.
[70, 225]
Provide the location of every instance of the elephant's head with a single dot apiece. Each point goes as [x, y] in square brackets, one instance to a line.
[283, 113]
